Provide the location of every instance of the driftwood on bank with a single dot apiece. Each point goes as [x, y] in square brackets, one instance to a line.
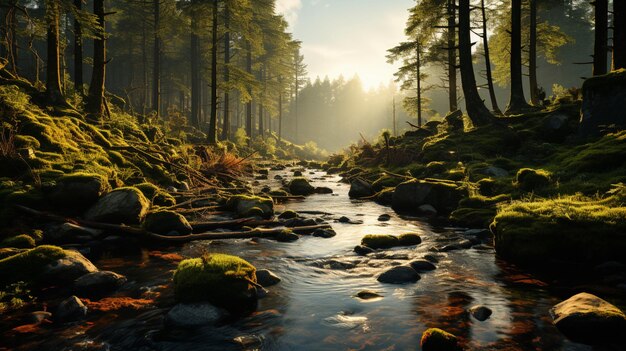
[142, 233]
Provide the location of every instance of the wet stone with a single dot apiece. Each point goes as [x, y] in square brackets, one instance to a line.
[368, 295]
[422, 266]
[481, 313]
[266, 278]
[399, 275]
[324, 233]
[363, 250]
[384, 217]
[70, 310]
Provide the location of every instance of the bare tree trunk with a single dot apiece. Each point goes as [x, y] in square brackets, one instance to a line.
[144, 61]
[249, 104]
[476, 109]
[195, 73]
[53, 72]
[156, 68]
[261, 125]
[600, 49]
[95, 100]
[212, 134]
[517, 101]
[532, 55]
[619, 34]
[280, 109]
[452, 76]
[418, 54]
[78, 50]
[295, 139]
[226, 127]
[492, 92]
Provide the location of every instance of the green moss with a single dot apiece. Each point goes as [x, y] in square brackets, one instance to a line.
[220, 279]
[156, 195]
[386, 181]
[25, 141]
[529, 179]
[249, 206]
[384, 241]
[473, 217]
[573, 228]
[21, 241]
[435, 339]
[28, 265]
[165, 222]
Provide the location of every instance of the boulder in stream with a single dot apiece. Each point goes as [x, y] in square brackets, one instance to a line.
[444, 196]
[588, 319]
[167, 222]
[123, 205]
[70, 310]
[386, 241]
[435, 339]
[266, 278]
[300, 186]
[360, 188]
[399, 275]
[98, 283]
[78, 190]
[481, 313]
[251, 206]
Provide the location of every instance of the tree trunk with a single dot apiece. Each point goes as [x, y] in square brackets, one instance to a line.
[195, 74]
[619, 34]
[476, 109]
[295, 139]
[212, 134]
[600, 50]
[532, 55]
[517, 101]
[144, 61]
[95, 100]
[492, 92]
[249, 104]
[280, 111]
[78, 50]
[418, 72]
[156, 67]
[226, 127]
[53, 72]
[261, 125]
[452, 77]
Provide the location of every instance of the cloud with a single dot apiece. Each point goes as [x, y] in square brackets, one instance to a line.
[289, 9]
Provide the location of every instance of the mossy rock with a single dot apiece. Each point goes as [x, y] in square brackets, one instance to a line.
[409, 239]
[167, 223]
[21, 241]
[78, 190]
[156, 195]
[444, 196]
[289, 214]
[573, 228]
[300, 186]
[529, 179]
[223, 280]
[435, 339]
[124, 205]
[251, 206]
[28, 265]
[386, 181]
[384, 197]
[473, 217]
[386, 241]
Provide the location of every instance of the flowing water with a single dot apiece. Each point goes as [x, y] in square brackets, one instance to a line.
[314, 307]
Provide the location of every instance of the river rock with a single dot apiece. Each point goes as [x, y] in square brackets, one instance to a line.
[363, 250]
[193, 315]
[443, 196]
[78, 190]
[481, 313]
[324, 233]
[399, 275]
[359, 188]
[300, 222]
[38, 317]
[297, 173]
[431, 258]
[384, 217]
[422, 266]
[266, 278]
[123, 205]
[323, 190]
[71, 233]
[588, 319]
[368, 295]
[435, 339]
[99, 283]
[71, 309]
[300, 186]
[427, 210]
[68, 268]
[167, 222]
[289, 214]
[251, 206]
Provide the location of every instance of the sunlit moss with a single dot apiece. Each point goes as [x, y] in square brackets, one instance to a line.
[217, 278]
[21, 241]
[26, 266]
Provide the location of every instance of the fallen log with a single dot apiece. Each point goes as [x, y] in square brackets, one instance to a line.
[139, 232]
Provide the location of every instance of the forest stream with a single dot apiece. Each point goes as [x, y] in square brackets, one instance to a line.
[315, 306]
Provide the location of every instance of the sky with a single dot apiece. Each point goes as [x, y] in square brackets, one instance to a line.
[347, 37]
